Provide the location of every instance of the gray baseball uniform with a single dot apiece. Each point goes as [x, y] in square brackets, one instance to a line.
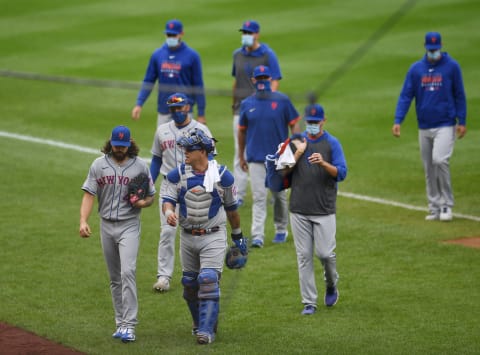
[201, 210]
[119, 229]
[165, 146]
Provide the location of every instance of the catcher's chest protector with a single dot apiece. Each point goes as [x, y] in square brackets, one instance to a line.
[200, 205]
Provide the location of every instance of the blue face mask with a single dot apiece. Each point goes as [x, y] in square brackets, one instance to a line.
[312, 129]
[247, 40]
[435, 55]
[263, 85]
[172, 41]
[179, 116]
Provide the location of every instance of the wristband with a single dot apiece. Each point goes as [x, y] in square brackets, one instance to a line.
[168, 213]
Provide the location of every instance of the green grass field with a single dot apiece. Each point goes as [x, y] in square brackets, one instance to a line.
[403, 291]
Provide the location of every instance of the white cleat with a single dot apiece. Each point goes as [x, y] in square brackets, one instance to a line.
[446, 214]
[162, 284]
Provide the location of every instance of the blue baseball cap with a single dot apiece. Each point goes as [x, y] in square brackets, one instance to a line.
[250, 26]
[261, 70]
[173, 27]
[120, 137]
[314, 112]
[177, 100]
[433, 41]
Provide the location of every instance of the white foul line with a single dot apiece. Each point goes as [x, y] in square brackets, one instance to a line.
[340, 193]
[52, 143]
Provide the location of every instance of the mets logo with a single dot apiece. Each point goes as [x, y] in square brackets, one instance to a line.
[434, 39]
[171, 25]
[121, 135]
[313, 111]
[274, 105]
[262, 69]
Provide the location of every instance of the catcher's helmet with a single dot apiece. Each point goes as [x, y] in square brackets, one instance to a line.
[177, 100]
[196, 139]
[234, 258]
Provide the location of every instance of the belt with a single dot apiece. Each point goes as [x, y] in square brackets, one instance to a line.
[201, 231]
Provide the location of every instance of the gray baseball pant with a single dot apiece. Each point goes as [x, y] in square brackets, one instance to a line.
[241, 177]
[314, 235]
[120, 243]
[436, 148]
[166, 244]
[259, 208]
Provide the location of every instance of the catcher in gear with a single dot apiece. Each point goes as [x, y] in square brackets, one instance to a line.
[206, 196]
[138, 188]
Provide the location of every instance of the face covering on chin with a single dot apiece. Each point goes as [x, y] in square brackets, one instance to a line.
[179, 116]
[247, 40]
[172, 41]
[263, 85]
[312, 129]
[435, 55]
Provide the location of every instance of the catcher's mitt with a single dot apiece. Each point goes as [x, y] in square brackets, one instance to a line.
[138, 188]
[234, 259]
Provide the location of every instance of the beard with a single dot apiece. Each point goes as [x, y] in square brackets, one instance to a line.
[119, 156]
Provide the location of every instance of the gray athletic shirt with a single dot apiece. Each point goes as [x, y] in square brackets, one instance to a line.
[165, 143]
[109, 182]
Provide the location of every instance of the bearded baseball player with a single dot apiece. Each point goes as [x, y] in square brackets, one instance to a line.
[166, 156]
[206, 196]
[108, 180]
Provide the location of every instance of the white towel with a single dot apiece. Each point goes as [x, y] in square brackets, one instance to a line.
[211, 176]
[286, 158]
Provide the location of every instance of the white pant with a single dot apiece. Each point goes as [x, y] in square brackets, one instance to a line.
[436, 147]
[241, 177]
[259, 206]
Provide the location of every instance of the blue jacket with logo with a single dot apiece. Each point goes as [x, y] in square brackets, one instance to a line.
[438, 91]
[177, 70]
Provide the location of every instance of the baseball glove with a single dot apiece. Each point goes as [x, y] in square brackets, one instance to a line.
[138, 188]
[237, 254]
[234, 259]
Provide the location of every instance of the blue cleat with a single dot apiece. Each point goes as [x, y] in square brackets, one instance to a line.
[331, 296]
[129, 335]
[280, 238]
[118, 333]
[309, 309]
[257, 243]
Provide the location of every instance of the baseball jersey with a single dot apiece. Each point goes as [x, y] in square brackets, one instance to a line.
[438, 91]
[243, 64]
[180, 68]
[165, 144]
[313, 189]
[109, 182]
[198, 208]
[266, 117]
